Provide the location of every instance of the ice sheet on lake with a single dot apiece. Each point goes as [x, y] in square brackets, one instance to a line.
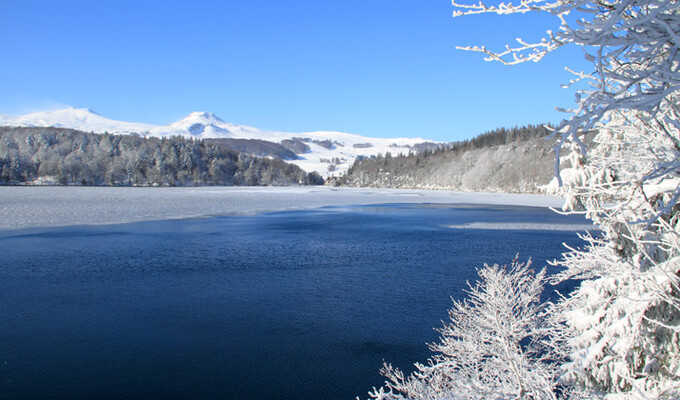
[521, 226]
[30, 206]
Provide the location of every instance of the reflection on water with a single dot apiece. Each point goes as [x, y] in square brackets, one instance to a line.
[289, 305]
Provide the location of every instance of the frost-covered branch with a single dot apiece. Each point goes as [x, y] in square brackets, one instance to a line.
[620, 328]
[623, 323]
[493, 348]
[633, 46]
[618, 333]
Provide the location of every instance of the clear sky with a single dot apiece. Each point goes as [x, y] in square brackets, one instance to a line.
[372, 67]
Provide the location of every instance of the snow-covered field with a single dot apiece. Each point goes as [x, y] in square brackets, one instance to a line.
[43, 206]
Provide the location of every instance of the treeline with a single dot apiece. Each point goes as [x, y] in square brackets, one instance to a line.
[515, 159]
[71, 157]
[502, 136]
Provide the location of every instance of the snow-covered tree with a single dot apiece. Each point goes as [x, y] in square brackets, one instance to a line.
[623, 324]
[493, 348]
[619, 332]
[621, 328]
[632, 44]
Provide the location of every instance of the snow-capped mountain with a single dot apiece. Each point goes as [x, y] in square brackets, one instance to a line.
[204, 125]
[81, 119]
[328, 153]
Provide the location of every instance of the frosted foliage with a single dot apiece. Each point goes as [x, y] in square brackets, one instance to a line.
[623, 324]
[619, 331]
[493, 347]
[633, 45]
[618, 334]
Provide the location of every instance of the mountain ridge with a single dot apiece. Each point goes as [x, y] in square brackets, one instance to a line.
[329, 153]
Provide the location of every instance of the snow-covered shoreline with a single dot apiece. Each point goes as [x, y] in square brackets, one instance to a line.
[48, 206]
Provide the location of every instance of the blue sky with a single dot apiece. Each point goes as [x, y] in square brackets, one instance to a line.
[372, 67]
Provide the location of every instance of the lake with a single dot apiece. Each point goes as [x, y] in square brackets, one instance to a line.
[302, 304]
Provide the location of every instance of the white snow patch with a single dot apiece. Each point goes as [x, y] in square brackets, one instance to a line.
[75, 118]
[522, 226]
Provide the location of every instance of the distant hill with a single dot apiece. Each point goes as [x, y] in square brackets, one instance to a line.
[328, 153]
[71, 157]
[504, 160]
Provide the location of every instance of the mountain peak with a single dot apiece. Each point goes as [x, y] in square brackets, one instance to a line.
[204, 117]
[322, 151]
[83, 119]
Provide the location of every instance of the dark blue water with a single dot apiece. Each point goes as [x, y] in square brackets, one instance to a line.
[288, 305]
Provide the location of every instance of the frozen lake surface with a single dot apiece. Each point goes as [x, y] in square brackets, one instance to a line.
[35, 206]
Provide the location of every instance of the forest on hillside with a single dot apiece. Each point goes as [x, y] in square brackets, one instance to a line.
[71, 157]
[518, 159]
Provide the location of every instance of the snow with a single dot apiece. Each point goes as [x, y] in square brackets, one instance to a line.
[206, 125]
[75, 118]
[44, 206]
[521, 226]
[203, 125]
